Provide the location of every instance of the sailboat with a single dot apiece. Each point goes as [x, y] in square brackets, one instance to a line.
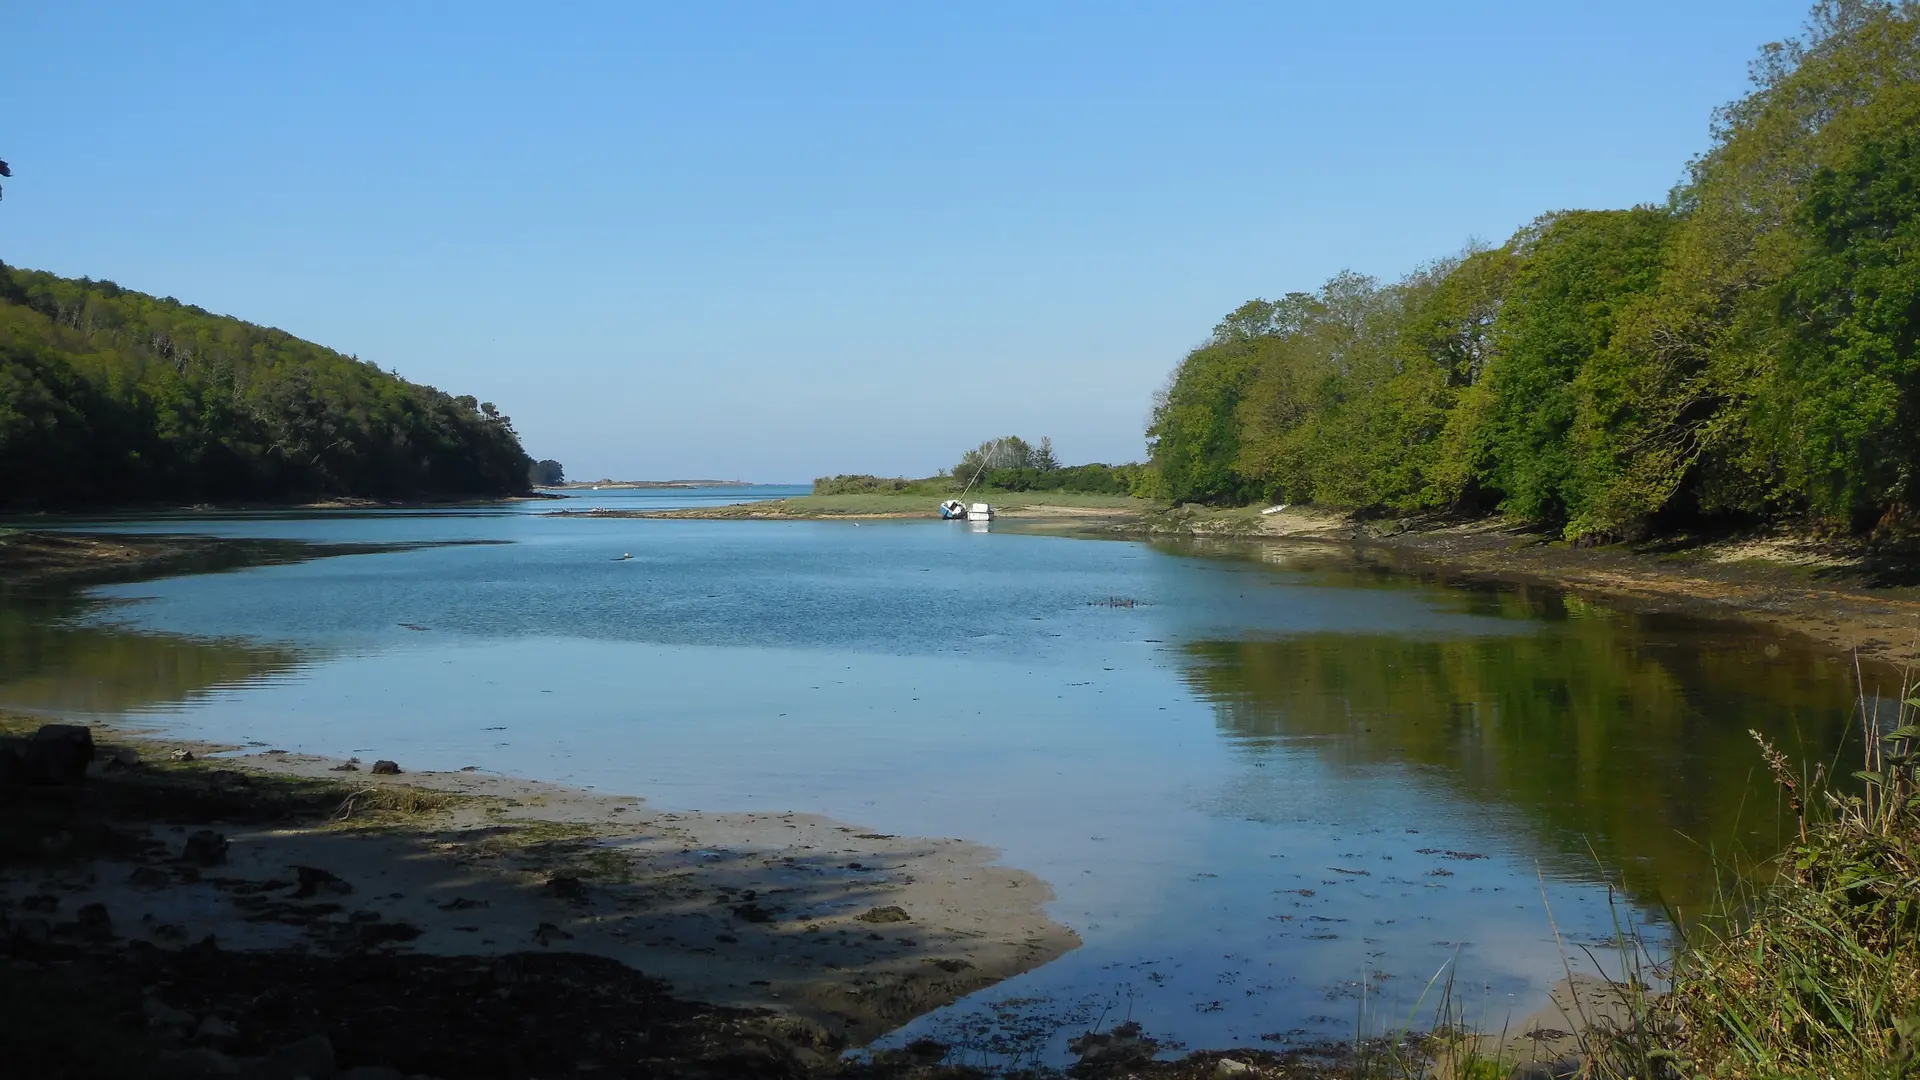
[955, 510]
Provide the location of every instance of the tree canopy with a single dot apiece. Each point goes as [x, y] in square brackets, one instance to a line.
[109, 395]
[1746, 350]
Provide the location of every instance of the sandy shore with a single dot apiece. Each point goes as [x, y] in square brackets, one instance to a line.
[849, 930]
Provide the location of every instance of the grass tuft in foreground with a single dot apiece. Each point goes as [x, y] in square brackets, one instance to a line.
[1815, 970]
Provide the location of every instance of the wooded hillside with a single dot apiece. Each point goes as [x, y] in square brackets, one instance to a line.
[110, 396]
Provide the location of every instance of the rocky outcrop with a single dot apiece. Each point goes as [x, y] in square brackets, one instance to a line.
[57, 755]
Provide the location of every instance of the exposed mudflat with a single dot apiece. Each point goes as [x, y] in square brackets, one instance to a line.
[32, 557]
[846, 931]
[1847, 600]
[1846, 595]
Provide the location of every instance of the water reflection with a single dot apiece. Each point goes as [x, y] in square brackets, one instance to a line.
[63, 655]
[1612, 735]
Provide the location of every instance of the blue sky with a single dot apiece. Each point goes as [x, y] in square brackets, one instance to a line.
[777, 241]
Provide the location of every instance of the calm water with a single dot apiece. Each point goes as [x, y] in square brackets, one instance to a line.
[1279, 776]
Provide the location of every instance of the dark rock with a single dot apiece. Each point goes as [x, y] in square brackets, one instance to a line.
[42, 902]
[205, 848]
[162, 1015]
[215, 1029]
[346, 766]
[753, 913]
[125, 757]
[927, 1051]
[148, 877]
[199, 1061]
[57, 754]
[547, 933]
[951, 965]
[180, 755]
[384, 767]
[311, 1057]
[566, 888]
[30, 932]
[92, 921]
[370, 1072]
[887, 914]
[314, 881]
[1125, 1044]
[380, 933]
[229, 778]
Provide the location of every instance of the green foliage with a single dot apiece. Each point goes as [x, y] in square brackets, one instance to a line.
[546, 473]
[108, 395]
[1577, 271]
[862, 484]
[1006, 452]
[1094, 479]
[1748, 349]
[1846, 393]
[1042, 472]
[1194, 438]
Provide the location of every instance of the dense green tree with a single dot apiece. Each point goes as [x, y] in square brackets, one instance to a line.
[1044, 458]
[546, 473]
[1694, 356]
[1746, 350]
[109, 395]
[1577, 271]
[1006, 452]
[1436, 450]
[1844, 400]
